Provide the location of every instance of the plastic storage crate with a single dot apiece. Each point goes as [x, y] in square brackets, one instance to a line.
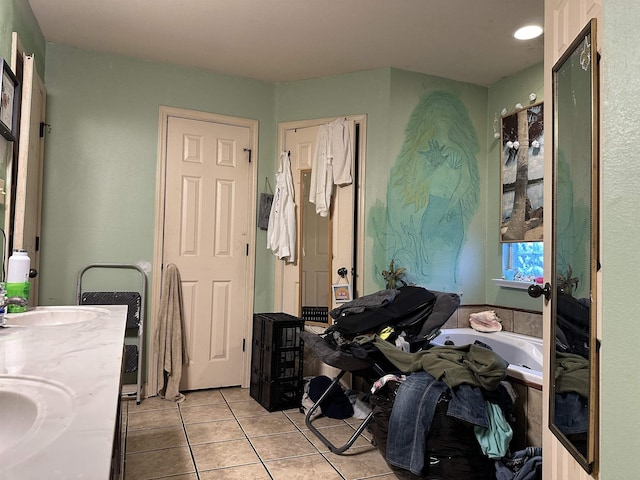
[276, 361]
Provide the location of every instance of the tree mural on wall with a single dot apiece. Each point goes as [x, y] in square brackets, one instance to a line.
[432, 193]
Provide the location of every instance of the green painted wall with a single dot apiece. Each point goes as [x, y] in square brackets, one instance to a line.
[505, 94]
[427, 109]
[101, 158]
[16, 16]
[620, 137]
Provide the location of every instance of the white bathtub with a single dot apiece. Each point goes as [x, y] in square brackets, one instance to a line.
[523, 353]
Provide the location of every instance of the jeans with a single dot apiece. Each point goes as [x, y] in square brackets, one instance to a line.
[523, 465]
[413, 412]
[571, 413]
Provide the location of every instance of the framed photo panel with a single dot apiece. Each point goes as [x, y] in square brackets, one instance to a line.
[9, 94]
[522, 173]
[341, 293]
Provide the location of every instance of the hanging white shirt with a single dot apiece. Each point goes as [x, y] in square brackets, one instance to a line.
[331, 163]
[281, 231]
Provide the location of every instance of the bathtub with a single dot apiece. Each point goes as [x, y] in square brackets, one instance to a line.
[523, 353]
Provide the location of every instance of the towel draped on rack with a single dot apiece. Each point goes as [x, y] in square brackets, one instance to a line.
[169, 341]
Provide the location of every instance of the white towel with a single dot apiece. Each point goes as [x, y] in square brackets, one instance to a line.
[168, 339]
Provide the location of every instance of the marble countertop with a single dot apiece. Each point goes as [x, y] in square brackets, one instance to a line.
[83, 358]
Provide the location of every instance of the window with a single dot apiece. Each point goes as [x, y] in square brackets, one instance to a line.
[523, 262]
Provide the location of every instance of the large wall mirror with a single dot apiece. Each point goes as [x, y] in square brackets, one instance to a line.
[573, 396]
[315, 258]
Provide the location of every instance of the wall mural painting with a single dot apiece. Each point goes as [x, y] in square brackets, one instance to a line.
[522, 175]
[432, 193]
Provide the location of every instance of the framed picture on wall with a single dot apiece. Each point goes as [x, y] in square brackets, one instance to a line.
[522, 173]
[341, 293]
[8, 102]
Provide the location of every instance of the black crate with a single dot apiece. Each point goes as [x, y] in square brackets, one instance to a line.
[276, 360]
[278, 394]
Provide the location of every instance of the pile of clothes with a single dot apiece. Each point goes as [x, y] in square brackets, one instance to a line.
[450, 417]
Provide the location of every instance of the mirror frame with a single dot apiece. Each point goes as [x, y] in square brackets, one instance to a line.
[586, 456]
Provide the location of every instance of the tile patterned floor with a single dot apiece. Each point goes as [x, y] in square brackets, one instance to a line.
[224, 434]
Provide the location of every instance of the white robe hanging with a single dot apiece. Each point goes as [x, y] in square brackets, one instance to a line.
[281, 231]
[331, 163]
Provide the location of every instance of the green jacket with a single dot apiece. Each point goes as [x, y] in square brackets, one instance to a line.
[468, 364]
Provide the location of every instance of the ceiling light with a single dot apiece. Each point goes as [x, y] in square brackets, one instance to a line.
[528, 32]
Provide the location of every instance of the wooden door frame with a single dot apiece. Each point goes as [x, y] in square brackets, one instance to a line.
[156, 285]
[279, 291]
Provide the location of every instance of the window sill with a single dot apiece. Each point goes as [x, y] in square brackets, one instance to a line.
[501, 282]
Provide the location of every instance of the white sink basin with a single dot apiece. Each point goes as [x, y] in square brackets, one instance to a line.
[41, 316]
[33, 412]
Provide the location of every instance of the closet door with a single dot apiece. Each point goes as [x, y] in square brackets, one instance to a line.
[299, 138]
[564, 19]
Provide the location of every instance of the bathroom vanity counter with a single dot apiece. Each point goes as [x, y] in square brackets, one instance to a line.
[60, 373]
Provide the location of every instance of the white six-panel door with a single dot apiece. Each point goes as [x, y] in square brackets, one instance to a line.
[208, 233]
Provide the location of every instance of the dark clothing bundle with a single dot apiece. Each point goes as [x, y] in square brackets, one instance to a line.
[336, 404]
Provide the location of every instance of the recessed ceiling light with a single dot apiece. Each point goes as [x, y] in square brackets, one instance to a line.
[528, 32]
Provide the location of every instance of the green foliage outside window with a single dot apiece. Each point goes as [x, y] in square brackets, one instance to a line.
[523, 261]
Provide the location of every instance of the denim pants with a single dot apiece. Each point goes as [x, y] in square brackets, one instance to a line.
[523, 465]
[571, 413]
[413, 412]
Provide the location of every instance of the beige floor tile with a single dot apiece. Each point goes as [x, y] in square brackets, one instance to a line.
[153, 419]
[266, 424]
[248, 408]
[219, 431]
[205, 413]
[356, 422]
[298, 418]
[186, 476]
[158, 463]
[202, 397]
[361, 462]
[283, 445]
[313, 467]
[224, 454]
[151, 403]
[338, 436]
[155, 439]
[243, 472]
[235, 394]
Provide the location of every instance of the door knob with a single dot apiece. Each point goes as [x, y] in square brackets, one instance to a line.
[536, 290]
[33, 273]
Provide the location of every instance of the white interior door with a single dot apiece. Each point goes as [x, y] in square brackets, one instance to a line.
[299, 138]
[208, 224]
[564, 19]
[28, 198]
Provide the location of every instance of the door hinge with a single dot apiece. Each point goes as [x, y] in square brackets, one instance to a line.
[244, 342]
[247, 249]
[37, 243]
[248, 150]
[44, 127]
